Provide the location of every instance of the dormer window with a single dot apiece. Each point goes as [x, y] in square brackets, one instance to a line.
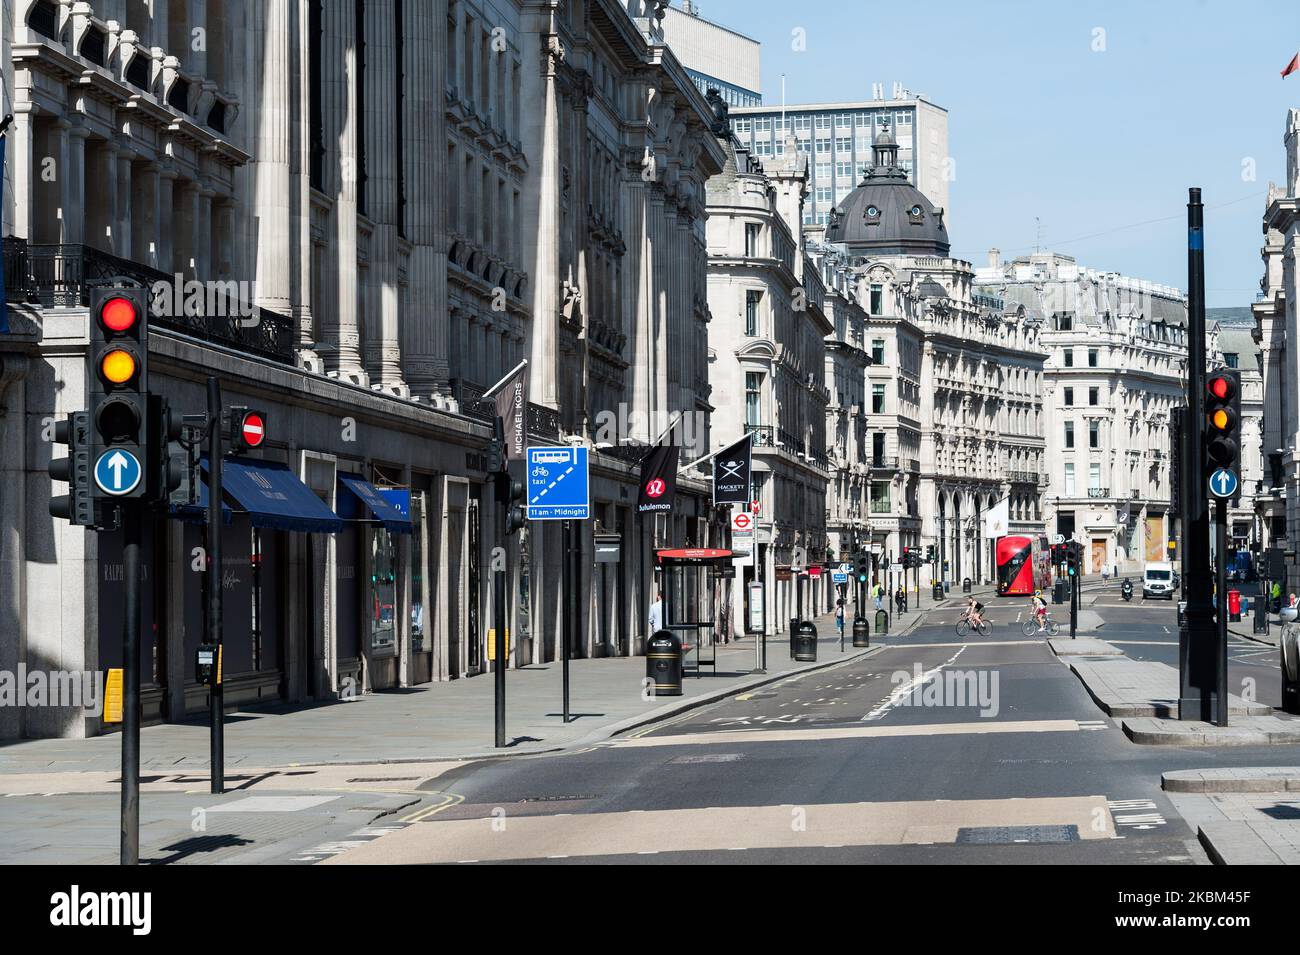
[915, 212]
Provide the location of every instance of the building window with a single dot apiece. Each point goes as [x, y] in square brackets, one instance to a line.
[843, 143]
[1092, 396]
[1069, 397]
[752, 298]
[878, 351]
[1067, 357]
[879, 497]
[878, 448]
[823, 195]
[751, 239]
[1094, 434]
[824, 144]
[877, 399]
[1094, 476]
[823, 170]
[877, 299]
[753, 398]
[1069, 479]
[1069, 434]
[1092, 358]
[1231, 359]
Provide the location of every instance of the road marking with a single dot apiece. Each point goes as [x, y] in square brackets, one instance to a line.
[1135, 813]
[813, 733]
[905, 690]
[448, 800]
[732, 828]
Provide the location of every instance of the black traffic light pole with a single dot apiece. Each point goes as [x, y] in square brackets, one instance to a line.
[500, 490]
[132, 520]
[216, 711]
[1198, 656]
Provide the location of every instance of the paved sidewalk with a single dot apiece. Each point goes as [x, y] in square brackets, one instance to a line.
[1137, 688]
[433, 722]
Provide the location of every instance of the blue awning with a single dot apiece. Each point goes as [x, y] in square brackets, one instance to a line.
[274, 497]
[362, 500]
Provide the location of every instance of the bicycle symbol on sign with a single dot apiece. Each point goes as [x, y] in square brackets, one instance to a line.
[540, 471]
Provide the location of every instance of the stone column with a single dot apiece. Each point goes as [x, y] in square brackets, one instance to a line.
[103, 174]
[145, 212]
[122, 243]
[166, 218]
[185, 221]
[424, 328]
[339, 326]
[383, 349]
[203, 232]
[223, 233]
[271, 131]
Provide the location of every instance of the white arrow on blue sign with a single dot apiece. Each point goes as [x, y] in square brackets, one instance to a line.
[558, 484]
[117, 472]
[1224, 483]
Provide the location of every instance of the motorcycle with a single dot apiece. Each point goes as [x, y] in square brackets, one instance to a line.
[1126, 589]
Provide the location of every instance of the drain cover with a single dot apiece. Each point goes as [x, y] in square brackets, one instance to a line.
[1009, 835]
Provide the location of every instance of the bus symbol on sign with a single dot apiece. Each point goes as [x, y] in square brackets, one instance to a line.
[1224, 483]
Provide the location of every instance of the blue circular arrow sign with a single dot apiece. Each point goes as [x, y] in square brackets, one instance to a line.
[117, 472]
[1224, 483]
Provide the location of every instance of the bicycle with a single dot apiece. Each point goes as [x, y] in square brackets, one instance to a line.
[964, 625]
[1050, 626]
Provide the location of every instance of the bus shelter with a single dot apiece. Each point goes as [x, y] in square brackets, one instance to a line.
[692, 582]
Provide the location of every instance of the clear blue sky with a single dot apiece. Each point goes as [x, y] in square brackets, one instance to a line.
[1041, 125]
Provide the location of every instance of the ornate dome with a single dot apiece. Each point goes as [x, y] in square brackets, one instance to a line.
[886, 214]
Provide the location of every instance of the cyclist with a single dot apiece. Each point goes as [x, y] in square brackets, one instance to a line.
[974, 612]
[1039, 603]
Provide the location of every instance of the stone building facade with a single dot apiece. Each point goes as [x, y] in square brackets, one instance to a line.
[1115, 372]
[954, 388]
[415, 196]
[767, 365]
[1277, 325]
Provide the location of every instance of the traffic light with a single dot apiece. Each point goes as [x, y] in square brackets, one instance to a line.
[247, 429]
[495, 458]
[76, 507]
[1072, 558]
[169, 468]
[1222, 422]
[864, 572]
[119, 384]
[516, 514]
[907, 558]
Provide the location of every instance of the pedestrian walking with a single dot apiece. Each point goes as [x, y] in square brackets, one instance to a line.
[657, 613]
[879, 593]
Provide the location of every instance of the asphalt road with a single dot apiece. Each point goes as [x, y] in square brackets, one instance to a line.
[930, 750]
[1148, 630]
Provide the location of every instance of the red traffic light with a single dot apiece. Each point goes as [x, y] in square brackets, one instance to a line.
[118, 314]
[1221, 387]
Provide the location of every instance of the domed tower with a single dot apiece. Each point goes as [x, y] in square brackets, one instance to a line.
[886, 214]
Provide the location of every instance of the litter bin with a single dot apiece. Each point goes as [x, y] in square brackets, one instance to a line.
[1059, 590]
[663, 663]
[861, 632]
[805, 644]
[965, 585]
[882, 622]
[936, 592]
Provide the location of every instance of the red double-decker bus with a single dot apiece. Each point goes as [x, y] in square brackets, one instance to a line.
[1024, 565]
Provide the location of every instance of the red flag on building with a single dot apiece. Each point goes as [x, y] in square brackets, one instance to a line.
[1292, 66]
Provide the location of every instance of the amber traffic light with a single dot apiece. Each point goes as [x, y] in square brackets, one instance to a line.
[119, 383]
[1222, 421]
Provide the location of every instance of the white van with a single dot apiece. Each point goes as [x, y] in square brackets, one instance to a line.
[1158, 581]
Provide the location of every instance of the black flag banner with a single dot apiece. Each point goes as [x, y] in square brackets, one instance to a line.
[658, 479]
[512, 407]
[731, 473]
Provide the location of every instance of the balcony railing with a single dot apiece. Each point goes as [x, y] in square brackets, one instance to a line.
[763, 435]
[60, 276]
[881, 507]
[884, 462]
[1023, 477]
[1099, 492]
[913, 464]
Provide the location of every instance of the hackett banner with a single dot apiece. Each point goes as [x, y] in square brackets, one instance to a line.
[731, 470]
[658, 479]
[512, 407]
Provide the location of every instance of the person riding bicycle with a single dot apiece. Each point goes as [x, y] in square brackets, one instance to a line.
[974, 612]
[1040, 609]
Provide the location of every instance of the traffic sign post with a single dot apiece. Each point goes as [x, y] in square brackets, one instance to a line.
[1224, 483]
[558, 484]
[118, 472]
[559, 489]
